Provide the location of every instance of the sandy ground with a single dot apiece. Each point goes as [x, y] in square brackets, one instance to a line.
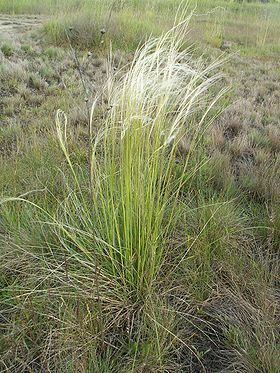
[14, 27]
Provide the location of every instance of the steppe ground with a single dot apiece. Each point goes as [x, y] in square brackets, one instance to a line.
[213, 304]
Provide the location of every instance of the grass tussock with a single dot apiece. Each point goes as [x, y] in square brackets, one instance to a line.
[133, 187]
[115, 222]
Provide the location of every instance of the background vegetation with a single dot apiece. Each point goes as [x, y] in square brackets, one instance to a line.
[128, 22]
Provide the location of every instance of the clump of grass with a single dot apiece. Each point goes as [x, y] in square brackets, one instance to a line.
[7, 49]
[132, 182]
[113, 226]
[102, 24]
[28, 49]
[51, 52]
[36, 82]
[47, 72]
[13, 73]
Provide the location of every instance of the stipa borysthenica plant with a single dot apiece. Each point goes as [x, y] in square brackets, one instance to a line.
[108, 240]
[128, 220]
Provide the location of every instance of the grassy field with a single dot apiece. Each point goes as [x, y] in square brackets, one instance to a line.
[139, 186]
[252, 28]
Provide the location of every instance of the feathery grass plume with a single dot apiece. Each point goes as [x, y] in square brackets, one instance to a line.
[133, 191]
